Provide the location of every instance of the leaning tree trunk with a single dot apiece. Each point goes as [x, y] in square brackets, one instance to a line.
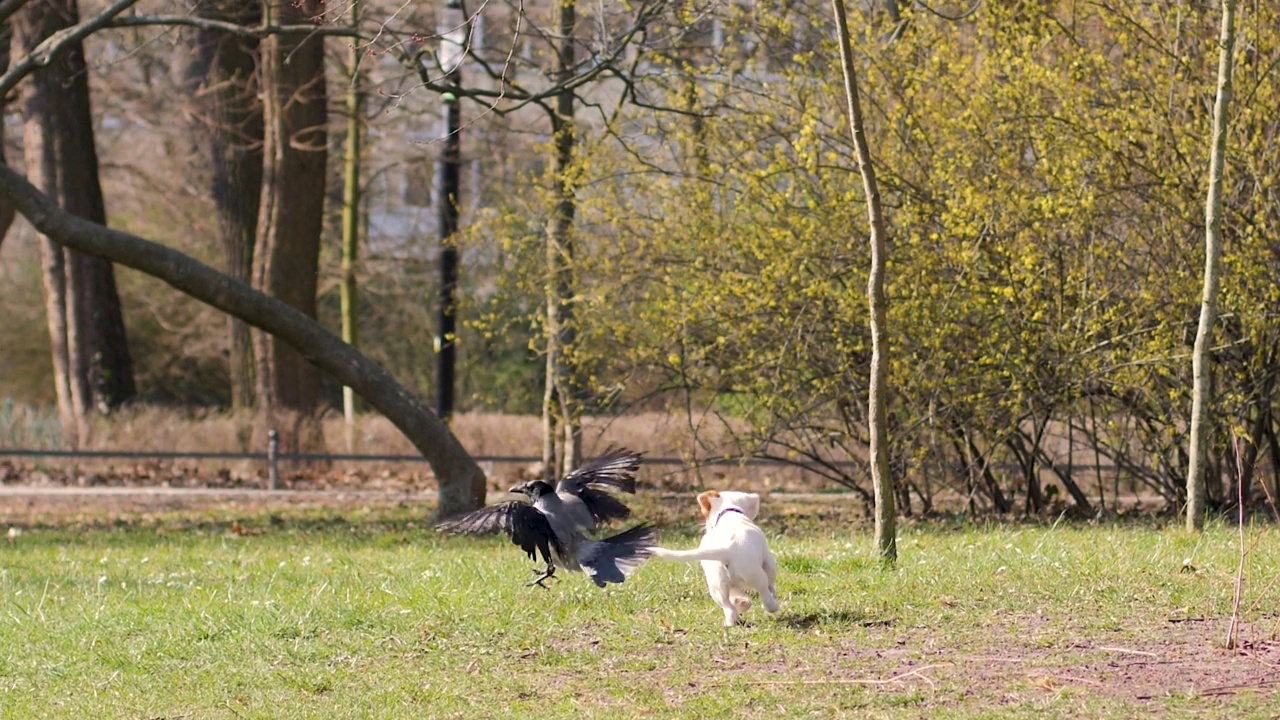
[91, 362]
[881, 480]
[460, 479]
[1200, 370]
[560, 408]
[287, 251]
[226, 117]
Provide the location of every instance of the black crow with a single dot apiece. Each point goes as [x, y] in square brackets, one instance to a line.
[555, 519]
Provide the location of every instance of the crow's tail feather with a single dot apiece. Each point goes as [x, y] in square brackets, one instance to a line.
[615, 558]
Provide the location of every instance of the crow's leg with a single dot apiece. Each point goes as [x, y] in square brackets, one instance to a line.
[548, 574]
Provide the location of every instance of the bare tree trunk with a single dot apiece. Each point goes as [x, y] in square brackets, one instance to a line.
[91, 361]
[977, 466]
[550, 421]
[287, 251]
[103, 354]
[1273, 445]
[881, 480]
[561, 400]
[1248, 459]
[226, 112]
[1200, 369]
[1026, 448]
[40, 151]
[460, 479]
[6, 210]
[351, 223]
[454, 41]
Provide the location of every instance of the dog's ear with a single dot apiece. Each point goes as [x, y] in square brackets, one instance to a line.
[704, 501]
[751, 504]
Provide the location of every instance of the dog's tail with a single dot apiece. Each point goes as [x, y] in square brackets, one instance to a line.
[717, 554]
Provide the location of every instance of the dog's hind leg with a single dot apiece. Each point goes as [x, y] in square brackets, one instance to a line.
[769, 593]
[756, 579]
[722, 593]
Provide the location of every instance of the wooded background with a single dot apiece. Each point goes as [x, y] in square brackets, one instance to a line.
[658, 208]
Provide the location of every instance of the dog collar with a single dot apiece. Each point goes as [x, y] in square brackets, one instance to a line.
[723, 512]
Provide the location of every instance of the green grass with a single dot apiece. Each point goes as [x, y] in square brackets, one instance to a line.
[375, 616]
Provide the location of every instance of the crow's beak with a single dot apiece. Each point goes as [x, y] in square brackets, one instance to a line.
[519, 489]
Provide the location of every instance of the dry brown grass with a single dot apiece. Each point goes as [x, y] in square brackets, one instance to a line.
[496, 434]
[165, 429]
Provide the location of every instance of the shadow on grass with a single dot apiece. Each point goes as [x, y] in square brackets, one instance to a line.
[831, 618]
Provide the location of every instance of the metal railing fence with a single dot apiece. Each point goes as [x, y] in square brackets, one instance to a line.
[273, 457]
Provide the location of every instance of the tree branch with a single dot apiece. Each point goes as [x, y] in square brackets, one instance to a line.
[254, 31]
[9, 7]
[56, 43]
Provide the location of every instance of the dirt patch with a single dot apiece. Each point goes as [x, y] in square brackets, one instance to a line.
[1143, 669]
[1151, 663]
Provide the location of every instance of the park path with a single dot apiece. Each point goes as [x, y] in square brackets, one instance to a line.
[59, 491]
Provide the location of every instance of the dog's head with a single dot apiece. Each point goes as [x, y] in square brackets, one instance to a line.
[713, 501]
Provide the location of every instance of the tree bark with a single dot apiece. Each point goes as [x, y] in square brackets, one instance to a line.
[461, 481]
[561, 409]
[91, 361]
[881, 480]
[226, 114]
[1001, 503]
[454, 34]
[99, 318]
[6, 210]
[351, 222]
[287, 251]
[1200, 369]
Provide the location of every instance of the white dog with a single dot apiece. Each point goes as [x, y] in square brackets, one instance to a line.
[734, 553]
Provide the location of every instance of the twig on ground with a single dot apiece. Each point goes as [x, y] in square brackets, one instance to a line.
[1233, 689]
[1069, 678]
[1233, 629]
[1127, 651]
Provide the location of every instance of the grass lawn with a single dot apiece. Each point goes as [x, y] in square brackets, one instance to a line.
[370, 614]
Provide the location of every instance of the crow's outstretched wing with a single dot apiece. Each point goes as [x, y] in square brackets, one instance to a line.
[527, 527]
[615, 469]
[603, 506]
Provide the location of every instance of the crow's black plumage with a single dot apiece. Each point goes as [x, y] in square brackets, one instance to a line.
[527, 527]
[556, 518]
